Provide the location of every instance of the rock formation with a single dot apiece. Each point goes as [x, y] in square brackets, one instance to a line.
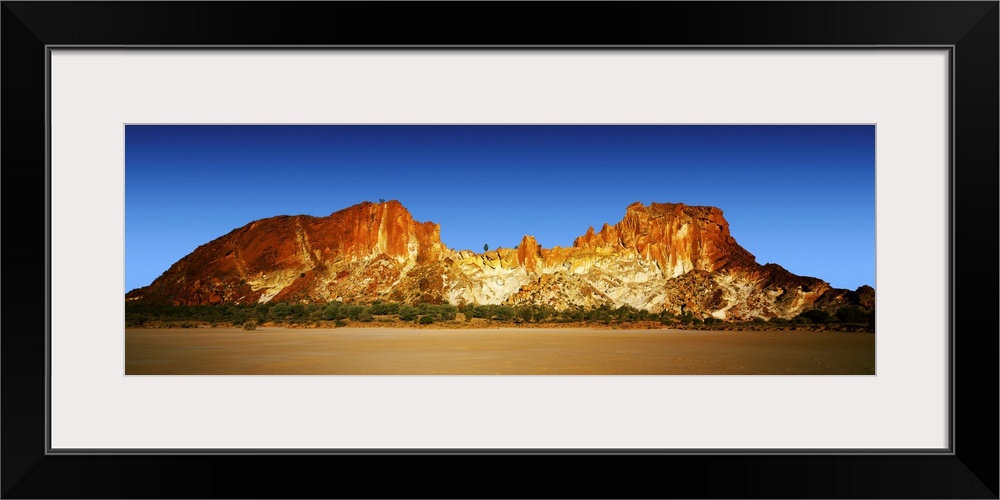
[663, 256]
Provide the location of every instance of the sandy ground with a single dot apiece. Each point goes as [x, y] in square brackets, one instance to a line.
[512, 351]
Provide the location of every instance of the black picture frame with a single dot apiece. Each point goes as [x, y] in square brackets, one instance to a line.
[970, 29]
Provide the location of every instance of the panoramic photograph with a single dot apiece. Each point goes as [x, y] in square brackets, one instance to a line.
[499, 250]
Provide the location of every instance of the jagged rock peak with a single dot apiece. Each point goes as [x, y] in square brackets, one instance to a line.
[386, 227]
[529, 253]
[678, 237]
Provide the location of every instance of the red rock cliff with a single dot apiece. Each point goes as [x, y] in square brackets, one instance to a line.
[679, 238]
[263, 258]
[663, 256]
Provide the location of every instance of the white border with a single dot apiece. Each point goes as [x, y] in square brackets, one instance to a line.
[95, 92]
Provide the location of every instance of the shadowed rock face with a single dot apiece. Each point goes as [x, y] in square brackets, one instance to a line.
[662, 256]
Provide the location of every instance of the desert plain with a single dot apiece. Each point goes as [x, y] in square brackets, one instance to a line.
[495, 351]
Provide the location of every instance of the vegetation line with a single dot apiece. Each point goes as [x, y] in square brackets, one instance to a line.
[337, 314]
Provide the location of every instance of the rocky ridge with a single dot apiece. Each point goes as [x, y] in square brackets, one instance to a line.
[662, 256]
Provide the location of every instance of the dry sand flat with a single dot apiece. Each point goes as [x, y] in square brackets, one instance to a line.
[513, 351]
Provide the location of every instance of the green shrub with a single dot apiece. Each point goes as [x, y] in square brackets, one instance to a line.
[297, 312]
[505, 313]
[407, 313]
[759, 320]
[136, 321]
[602, 313]
[817, 316]
[339, 323]
[365, 316]
[425, 320]
[354, 312]
[250, 325]
[281, 311]
[385, 308]
[485, 312]
[626, 313]
[851, 314]
[542, 313]
[332, 311]
[525, 313]
[446, 312]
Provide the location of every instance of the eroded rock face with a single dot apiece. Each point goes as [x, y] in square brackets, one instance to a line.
[663, 256]
[677, 237]
[361, 250]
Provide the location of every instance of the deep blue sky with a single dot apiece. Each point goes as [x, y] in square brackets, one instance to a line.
[799, 196]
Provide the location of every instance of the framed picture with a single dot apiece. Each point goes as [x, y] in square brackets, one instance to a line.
[918, 78]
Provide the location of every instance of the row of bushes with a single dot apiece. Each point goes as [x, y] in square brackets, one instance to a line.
[281, 312]
[138, 314]
[239, 314]
[846, 314]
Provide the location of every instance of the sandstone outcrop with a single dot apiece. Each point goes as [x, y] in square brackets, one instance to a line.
[664, 256]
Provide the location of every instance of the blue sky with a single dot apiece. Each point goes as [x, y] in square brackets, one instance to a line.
[799, 196]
